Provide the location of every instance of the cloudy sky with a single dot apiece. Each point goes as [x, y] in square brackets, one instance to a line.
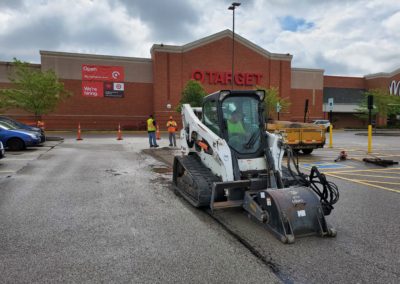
[353, 37]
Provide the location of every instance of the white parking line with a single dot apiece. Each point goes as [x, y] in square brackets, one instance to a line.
[18, 159]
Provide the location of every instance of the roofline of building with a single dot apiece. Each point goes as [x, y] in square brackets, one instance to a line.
[308, 70]
[340, 76]
[215, 37]
[382, 74]
[11, 63]
[93, 56]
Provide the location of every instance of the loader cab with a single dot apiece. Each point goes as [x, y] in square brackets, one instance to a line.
[237, 117]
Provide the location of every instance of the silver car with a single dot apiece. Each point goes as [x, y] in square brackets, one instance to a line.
[1, 150]
[322, 122]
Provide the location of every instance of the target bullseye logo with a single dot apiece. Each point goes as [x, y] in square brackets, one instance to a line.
[115, 74]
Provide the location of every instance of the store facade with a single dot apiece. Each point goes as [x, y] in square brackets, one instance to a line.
[111, 90]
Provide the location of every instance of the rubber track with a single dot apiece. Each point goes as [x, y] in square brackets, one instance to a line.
[203, 179]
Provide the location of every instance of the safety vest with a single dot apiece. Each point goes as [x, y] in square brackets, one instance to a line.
[234, 128]
[150, 125]
[171, 126]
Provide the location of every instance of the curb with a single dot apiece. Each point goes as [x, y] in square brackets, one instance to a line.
[54, 138]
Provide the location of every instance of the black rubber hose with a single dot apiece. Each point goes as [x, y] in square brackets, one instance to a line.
[327, 191]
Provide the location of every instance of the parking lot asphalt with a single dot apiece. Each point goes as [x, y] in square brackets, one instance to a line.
[354, 169]
[101, 210]
[16, 160]
[367, 246]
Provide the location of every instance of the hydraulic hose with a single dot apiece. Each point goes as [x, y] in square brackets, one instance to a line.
[327, 191]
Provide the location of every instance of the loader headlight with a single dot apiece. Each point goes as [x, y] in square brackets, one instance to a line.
[223, 94]
[261, 94]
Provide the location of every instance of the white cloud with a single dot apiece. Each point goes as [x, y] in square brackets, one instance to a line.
[346, 38]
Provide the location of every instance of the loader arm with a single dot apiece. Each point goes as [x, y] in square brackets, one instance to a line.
[197, 138]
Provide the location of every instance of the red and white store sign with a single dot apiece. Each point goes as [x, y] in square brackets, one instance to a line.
[92, 89]
[225, 78]
[102, 73]
[102, 81]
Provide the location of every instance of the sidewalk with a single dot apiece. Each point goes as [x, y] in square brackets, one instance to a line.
[375, 132]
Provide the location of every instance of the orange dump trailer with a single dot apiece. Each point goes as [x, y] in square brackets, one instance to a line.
[300, 136]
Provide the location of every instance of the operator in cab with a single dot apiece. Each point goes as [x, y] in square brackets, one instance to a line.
[235, 125]
[236, 132]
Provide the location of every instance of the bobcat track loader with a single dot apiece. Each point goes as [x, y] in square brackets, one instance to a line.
[224, 165]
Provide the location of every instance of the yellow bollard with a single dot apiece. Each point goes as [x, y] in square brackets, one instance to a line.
[330, 136]
[369, 138]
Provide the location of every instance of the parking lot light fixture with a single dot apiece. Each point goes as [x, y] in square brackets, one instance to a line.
[233, 7]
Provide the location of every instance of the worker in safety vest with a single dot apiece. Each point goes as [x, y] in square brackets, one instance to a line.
[236, 132]
[172, 127]
[235, 125]
[151, 130]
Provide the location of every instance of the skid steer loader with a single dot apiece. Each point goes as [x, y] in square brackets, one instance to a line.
[228, 160]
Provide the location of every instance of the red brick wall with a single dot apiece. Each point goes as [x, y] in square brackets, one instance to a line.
[97, 113]
[347, 120]
[167, 86]
[382, 82]
[298, 98]
[344, 82]
[171, 71]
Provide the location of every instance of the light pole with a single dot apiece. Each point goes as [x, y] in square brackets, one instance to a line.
[233, 7]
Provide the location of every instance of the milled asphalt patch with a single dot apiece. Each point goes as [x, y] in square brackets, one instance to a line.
[166, 155]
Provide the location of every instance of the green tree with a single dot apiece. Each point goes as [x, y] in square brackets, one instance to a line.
[33, 90]
[192, 94]
[271, 100]
[385, 105]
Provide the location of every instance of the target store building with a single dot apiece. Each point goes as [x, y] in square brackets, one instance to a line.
[111, 90]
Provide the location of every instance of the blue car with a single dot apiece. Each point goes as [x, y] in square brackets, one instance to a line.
[15, 139]
[23, 126]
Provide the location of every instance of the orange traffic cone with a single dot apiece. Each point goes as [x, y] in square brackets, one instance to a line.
[79, 133]
[158, 137]
[119, 137]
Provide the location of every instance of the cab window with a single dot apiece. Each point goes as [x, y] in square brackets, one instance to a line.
[242, 122]
[210, 116]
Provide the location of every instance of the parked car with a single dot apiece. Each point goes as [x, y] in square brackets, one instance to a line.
[323, 122]
[2, 155]
[24, 126]
[17, 139]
